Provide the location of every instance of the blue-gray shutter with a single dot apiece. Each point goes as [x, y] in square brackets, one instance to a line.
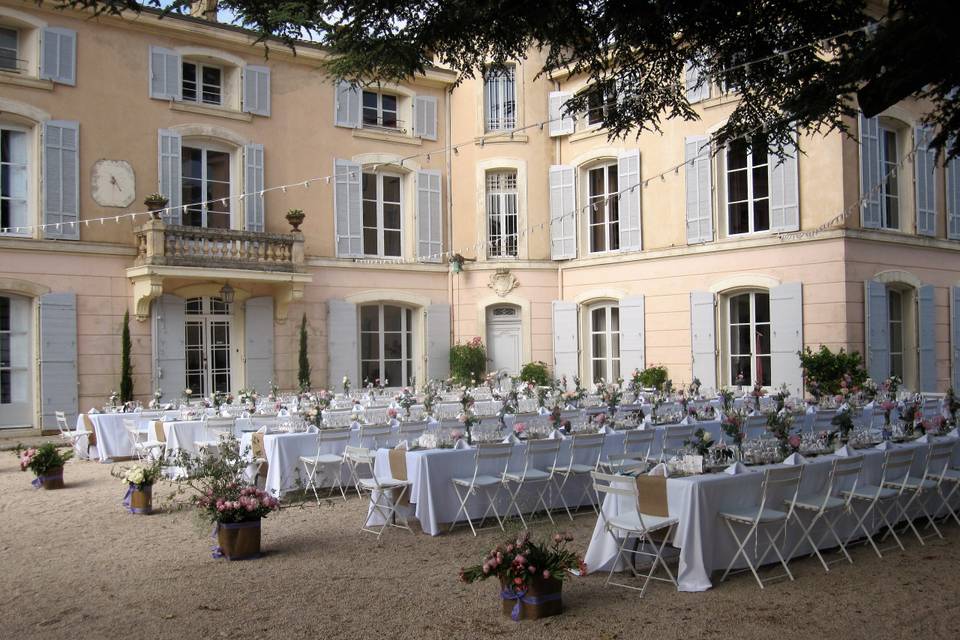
[870, 172]
[170, 358]
[347, 107]
[560, 124]
[565, 340]
[927, 339]
[953, 200]
[58, 55]
[429, 218]
[877, 329]
[696, 150]
[955, 337]
[925, 184]
[784, 192]
[632, 335]
[697, 85]
[253, 203]
[786, 336]
[437, 323]
[256, 90]
[425, 117]
[563, 213]
[258, 343]
[703, 342]
[348, 208]
[628, 184]
[169, 145]
[58, 358]
[165, 74]
[343, 353]
[61, 179]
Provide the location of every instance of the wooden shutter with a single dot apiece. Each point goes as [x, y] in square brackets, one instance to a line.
[258, 343]
[955, 337]
[870, 172]
[348, 208]
[953, 201]
[58, 55]
[437, 323]
[786, 336]
[61, 179]
[169, 151]
[877, 329]
[58, 358]
[703, 343]
[698, 88]
[696, 151]
[565, 340]
[563, 213]
[256, 90]
[628, 184]
[348, 105]
[784, 192]
[924, 167]
[425, 117]
[429, 219]
[927, 339]
[169, 351]
[632, 335]
[343, 353]
[253, 203]
[165, 74]
[560, 124]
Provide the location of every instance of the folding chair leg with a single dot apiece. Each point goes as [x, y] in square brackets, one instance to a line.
[741, 544]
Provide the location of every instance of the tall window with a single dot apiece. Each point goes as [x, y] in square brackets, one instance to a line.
[202, 83]
[380, 110]
[750, 339]
[599, 102]
[205, 180]
[502, 214]
[500, 98]
[9, 41]
[381, 215]
[16, 407]
[605, 342]
[6, 348]
[604, 231]
[386, 344]
[895, 301]
[890, 192]
[13, 179]
[748, 189]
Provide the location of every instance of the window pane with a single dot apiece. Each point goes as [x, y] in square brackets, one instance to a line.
[736, 186]
[598, 370]
[388, 102]
[191, 163]
[391, 188]
[599, 341]
[369, 345]
[218, 166]
[392, 318]
[763, 370]
[739, 218]
[762, 307]
[599, 319]
[614, 318]
[740, 370]
[370, 242]
[737, 155]
[740, 309]
[393, 372]
[370, 99]
[370, 214]
[369, 318]
[370, 370]
[896, 305]
[896, 337]
[369, 186]
[392, 345]
[761, 215]
[391, 243]
[596, 181]
[762, 340]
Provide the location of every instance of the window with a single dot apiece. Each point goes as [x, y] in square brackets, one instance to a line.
[500, 98]
[749, 319]
[889, 189]
[380, 110]
[202, 83]
[13, 179]
[502, 214]
[207, 345]
[386, 344]
[748, 189]
[599, 102]
[605, 343]
[9, 47]
[205, 180]
[6, 365]
[895, 302]
[16, 407]
[382, 218]
[604, 223]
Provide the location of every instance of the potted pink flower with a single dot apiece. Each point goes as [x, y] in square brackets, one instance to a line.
[46, 462]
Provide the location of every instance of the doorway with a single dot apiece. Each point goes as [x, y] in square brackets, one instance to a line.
[207, 340]
[504, 338]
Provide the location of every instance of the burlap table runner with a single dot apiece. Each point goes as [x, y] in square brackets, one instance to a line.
[398, 470]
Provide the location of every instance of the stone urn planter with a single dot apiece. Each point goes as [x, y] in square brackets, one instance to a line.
[295, 218]
[156, 203]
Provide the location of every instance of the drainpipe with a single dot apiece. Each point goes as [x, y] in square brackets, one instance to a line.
[448, 126]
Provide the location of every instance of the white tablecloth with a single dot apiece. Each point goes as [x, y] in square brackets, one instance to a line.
[704, 542]
[112, 438]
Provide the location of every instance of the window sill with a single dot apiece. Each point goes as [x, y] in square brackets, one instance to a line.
[209, 110]
[21, 80]
[386, 136]
[500, 137]
[587, 134]
[719, 101]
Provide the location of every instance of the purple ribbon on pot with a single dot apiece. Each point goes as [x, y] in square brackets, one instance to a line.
[126, 500]
[39, 480]
[521, 596]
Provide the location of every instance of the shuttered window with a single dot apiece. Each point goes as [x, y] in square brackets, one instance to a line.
[749, 339]
[382, 215]
[500, 99]
[748, 187]
[13, 181]
[605, 342]
[205, 186]
[386, 344]
[889, 190]
[502, 214]
[604, 221]
[202, 83]
[9, 50]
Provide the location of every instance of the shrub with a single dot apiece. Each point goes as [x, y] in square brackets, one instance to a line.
[126, 377]
[303, 371]
[536, 372]
[824, 370]
[468, 362]
[653, 377]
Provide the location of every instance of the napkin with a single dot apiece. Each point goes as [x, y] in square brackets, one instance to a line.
[402, 445]
[394, 423]
[543, 411]
[556, 435]
[354, 425]
[925, 438]
[647, 419]
[511, 439]
[735, 469]
[955, 433]
[461, 444]
[869, 405]
[687, 420]
[432, 421]
[884, 446]
[794, 458]
[811, 409]
[660, 470]
[93, 410]
[844, 452]
[606, 429]
[312, 428]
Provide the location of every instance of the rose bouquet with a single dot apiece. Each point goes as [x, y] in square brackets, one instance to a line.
[843, 421]
[732, 426]
[405, 399]
[780, 425]
[726, 399]
[46, 462]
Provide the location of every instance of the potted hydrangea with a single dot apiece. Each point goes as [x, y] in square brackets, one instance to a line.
[46, 462]
[140, 479]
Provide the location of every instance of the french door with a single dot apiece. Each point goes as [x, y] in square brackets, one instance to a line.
[208, 343]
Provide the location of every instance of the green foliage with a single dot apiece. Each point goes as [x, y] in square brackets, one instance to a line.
[653, 377]
[536, 372]
[42, 459]
[468, 362]
[126, 377]
[303, 373]
[824, 370]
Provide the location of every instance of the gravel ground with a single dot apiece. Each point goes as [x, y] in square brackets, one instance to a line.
[76, 565]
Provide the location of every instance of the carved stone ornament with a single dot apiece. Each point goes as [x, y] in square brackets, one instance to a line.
[503, 282]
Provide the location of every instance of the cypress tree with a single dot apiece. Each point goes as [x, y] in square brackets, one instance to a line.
[303, 375]
[126, 379]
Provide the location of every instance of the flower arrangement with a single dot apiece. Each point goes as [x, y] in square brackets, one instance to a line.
[187, 394]
[405, 399]
[779, 424]
[869, 389]
[114, 398]
[554, 417]
[542, 394]
[843, 421]
[888, 406]
[236, 503]
[509, 402]
[952, 405]
[431, 394]
[937, 425]
[345, 383]
[157, 396]
[611, 395]
[247, 397]
[701, 442]
[519, 428]
[726, 399]
[890, 386]
[732, 425]
[138, 475]
[780, 397]
[695, 388]
[910, 415]
[314, 416]
[43, 461]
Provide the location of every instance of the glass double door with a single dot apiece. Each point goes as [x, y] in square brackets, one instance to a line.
[208, 343]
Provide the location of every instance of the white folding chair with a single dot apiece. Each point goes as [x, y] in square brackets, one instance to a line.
[144, 448]
[587, 448]
[532, 475]
[777, 481]
[950, 477]
[383, 500]
[377, 434]
[675, 439]
[318, 464]
[491, 460]
[637, 445]
[916, 487]
[896, 464]
[939, 472]
[73, 437]
[635, 521]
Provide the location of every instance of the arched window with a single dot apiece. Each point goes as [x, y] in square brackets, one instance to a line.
[604, 327]
[748, 339]
[386, 344]
[603, 222]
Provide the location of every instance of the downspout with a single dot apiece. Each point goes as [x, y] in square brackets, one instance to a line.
[448, 126]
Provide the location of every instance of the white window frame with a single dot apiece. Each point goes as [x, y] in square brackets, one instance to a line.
[406, 342]
[19, 340]
[897, 327]
[753, 325]
[502, 205]
[610, 363]
[499, 92]
[28, 171]
[16, 68]
[199, 88]
[610, 201]
[381, 229]
[380, 111]
[205, 147]
[751, 198]
[889, 166]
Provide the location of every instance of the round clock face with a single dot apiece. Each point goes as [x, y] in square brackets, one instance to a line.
[113, 183]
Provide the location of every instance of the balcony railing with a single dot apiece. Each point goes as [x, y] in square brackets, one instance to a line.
[174, 245]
